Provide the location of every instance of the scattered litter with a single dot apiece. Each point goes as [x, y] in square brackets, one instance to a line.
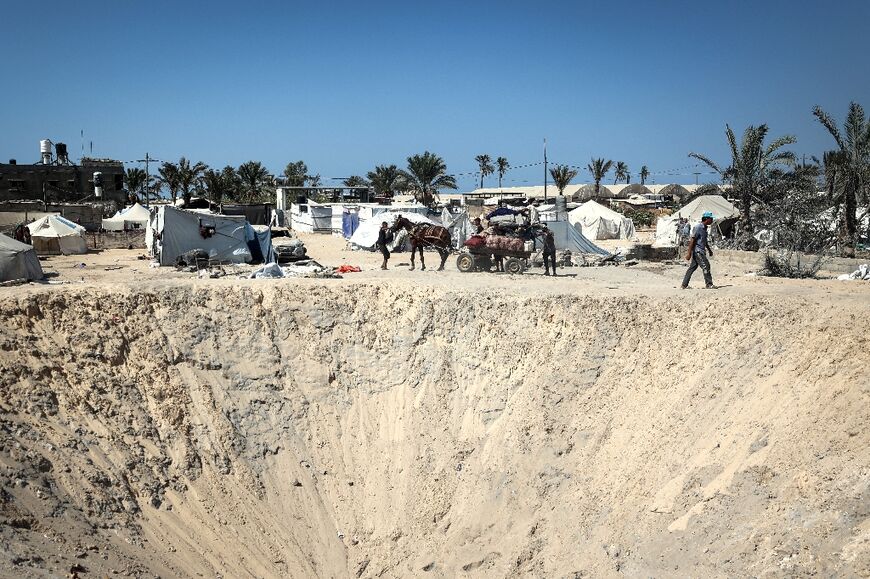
[268, 271]
[154, 264]
[212, 273]
[863, 272]
[79, 266]
[113, 267]
[348, 269]
[309, 268]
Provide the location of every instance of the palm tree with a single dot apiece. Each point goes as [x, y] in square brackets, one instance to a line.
[502, 166]
[644, 174]
[218, 185]
[387, 180]
[296, 174]
[486, 168]
[850, 164]
[751, 165]
[135, 178]
[254, 178]
[426, 174]
[355, 181]
[169, 179]
[562, 176]
[621, 172]
[599, 168]
[188, 177]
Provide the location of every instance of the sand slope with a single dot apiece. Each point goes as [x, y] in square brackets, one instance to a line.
[384, 430]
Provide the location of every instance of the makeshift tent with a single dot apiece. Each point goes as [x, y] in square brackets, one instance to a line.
[173, 232]
[133, 217]
[18, 260]
[567, 236]
[366, 235]
[260, 243]
[459, 226]
[54, 234]
[721, 208]
[349, 222]
[596, 221]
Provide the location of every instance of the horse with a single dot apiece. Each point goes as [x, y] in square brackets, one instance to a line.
[425, 235]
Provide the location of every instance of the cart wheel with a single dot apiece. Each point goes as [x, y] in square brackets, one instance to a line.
[465, 262]
[513, 265]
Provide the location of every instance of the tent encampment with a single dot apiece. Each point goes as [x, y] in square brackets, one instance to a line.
[599, 222]
[18, 260]
[721, 208]
[53, 234]
[172, 232]
[366, 235]
[133, 217]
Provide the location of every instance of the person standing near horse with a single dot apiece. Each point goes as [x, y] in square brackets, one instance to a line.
[697, 253]
[425, 235]
[385, 236]
[549, 250]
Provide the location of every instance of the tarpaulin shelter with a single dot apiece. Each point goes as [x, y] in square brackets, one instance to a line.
[133, 217]
[349, 222]
[599, 222]
[721, 208]
[459, 226]
[260, 243]
[567, 236]
[53, 234]
[18, 260]
[173, 232]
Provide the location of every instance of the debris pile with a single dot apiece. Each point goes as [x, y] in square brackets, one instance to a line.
[863, 273]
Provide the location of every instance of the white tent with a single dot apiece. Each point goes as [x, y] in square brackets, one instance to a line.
[366, 235]
[54, 234]
[133, 217]
[599, 222]
[18, 260]
[666, 227]
[458, 225]
[172, 232]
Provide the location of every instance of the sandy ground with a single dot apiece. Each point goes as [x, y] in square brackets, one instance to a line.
[392, 424]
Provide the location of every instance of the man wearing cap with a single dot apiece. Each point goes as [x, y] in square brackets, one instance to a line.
[697, 254]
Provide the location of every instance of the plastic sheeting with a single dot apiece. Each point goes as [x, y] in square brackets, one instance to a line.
[259, 238]
[18, 260]
[176, 231]
[349, 223]
[566, 236]
[599, 222]
[458, 225]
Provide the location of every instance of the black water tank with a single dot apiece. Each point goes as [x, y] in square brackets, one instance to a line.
[13, 162]
[300, 200]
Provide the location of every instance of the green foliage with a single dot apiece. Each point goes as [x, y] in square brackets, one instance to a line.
[169, 179]
[387, 180]
[562, 176]
[485, 165]
[426, 175]
[188, 177]
[135, 179]
[355, 181]
[644, 175]
[642, 218]
[620, 172]
[502, 166]
[221, 185]
[790, 264]
[255, 181]
[599, 169]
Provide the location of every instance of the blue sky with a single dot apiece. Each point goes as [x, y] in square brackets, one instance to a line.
[347, 85]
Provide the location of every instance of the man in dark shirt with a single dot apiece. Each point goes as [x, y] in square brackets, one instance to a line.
[549, 250]
[385, 236]
[697, 254]
[478, 227]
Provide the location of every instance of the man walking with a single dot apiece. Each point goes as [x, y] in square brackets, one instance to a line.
[549, 250]
[697, 253]
[384, 237]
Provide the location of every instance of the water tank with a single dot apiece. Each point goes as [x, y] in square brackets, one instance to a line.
[45, 146]
[13, 162]
[561, 204]
[98, 184]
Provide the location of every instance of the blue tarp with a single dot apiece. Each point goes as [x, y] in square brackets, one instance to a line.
[259, 240]
[349, 223]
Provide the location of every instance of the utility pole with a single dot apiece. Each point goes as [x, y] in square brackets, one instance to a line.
[545, 170]
[147, 160]
[696, 177]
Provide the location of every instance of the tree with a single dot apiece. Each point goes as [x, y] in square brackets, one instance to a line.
[135, 179]
[296, 174]
[850, 165]
[255, 179]
[486, 168]
[169, 179]
[502, 167]
[599, 169]
[355, 181]
[217, 185]
[426, 174]
[621, 172]
[752, 166]
[644, 175]
[188, 178]
[387, 180]
[562, 176]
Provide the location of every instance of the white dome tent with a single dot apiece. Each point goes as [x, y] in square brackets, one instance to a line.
[133, 217]
[666, 227]
[54, 234]
[596, 221]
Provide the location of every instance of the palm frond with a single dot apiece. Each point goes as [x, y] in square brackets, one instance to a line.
[828, 122]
